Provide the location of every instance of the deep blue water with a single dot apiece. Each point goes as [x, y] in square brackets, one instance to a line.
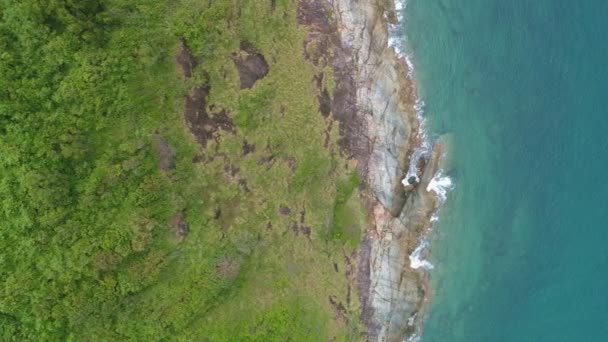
[521, 251]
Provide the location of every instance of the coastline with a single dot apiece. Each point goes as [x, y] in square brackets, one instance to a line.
[402, 170]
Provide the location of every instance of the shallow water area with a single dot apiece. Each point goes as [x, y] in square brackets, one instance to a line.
[519, 250]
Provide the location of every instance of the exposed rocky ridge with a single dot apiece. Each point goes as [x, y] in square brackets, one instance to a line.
[374, 103]
[393, 294]
[323, 47]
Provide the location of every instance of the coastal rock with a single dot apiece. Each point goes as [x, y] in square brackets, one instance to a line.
[392, 292]
[374, 102]
[382, 97]
[398, 291]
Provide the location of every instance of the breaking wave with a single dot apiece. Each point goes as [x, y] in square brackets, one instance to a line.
[417, 260]
[440, 185]
[413, 338]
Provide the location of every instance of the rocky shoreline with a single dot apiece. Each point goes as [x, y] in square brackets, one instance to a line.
[375, 104]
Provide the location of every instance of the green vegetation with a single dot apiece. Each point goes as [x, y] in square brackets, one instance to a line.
[88, 219]
[347, 226]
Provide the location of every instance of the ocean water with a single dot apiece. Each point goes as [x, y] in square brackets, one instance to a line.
[521, 249]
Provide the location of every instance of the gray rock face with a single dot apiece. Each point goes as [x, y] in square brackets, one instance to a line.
[379, 99]
[397, 292]
[393, 293]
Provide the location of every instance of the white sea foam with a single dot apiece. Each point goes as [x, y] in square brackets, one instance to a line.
[435, 217]
[395, 40]
[400, 5]
[440, 185]
[410, 67]
[416, 260]
[413, 338]
[425, 147]
[412, 170]
[412, 319]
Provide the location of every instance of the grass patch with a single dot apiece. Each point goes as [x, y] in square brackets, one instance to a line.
[89, 251]
[347, 218]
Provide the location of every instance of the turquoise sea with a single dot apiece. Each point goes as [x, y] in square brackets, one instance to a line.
[521, 251]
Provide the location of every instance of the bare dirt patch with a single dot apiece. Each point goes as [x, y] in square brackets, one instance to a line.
[292, 163]
[267, 159]
[314, 15]
[306, 230]
[179, 225]
[301, 229]
[232, 173]
[324, 103]
[322, 46]
[248, 148]
[251, 64]
[284, 210]
[166, 154]
[339, 310]
[186, 60]
[243, 184]
[227, 268]
[203, 123]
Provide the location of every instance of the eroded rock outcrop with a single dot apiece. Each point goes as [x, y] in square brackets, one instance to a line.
[392, 292]
[204, 121]
[251, 64]
[374, 103]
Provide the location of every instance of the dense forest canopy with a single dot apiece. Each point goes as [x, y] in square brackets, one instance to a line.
[235, 239]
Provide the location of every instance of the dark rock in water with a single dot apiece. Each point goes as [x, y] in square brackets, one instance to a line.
[251, 65]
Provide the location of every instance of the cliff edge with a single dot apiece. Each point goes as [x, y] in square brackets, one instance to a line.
[382, 131]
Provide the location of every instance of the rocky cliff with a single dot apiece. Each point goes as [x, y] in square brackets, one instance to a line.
[393, 292]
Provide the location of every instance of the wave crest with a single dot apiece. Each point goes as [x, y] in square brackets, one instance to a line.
[440, 185]
[416, 259]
